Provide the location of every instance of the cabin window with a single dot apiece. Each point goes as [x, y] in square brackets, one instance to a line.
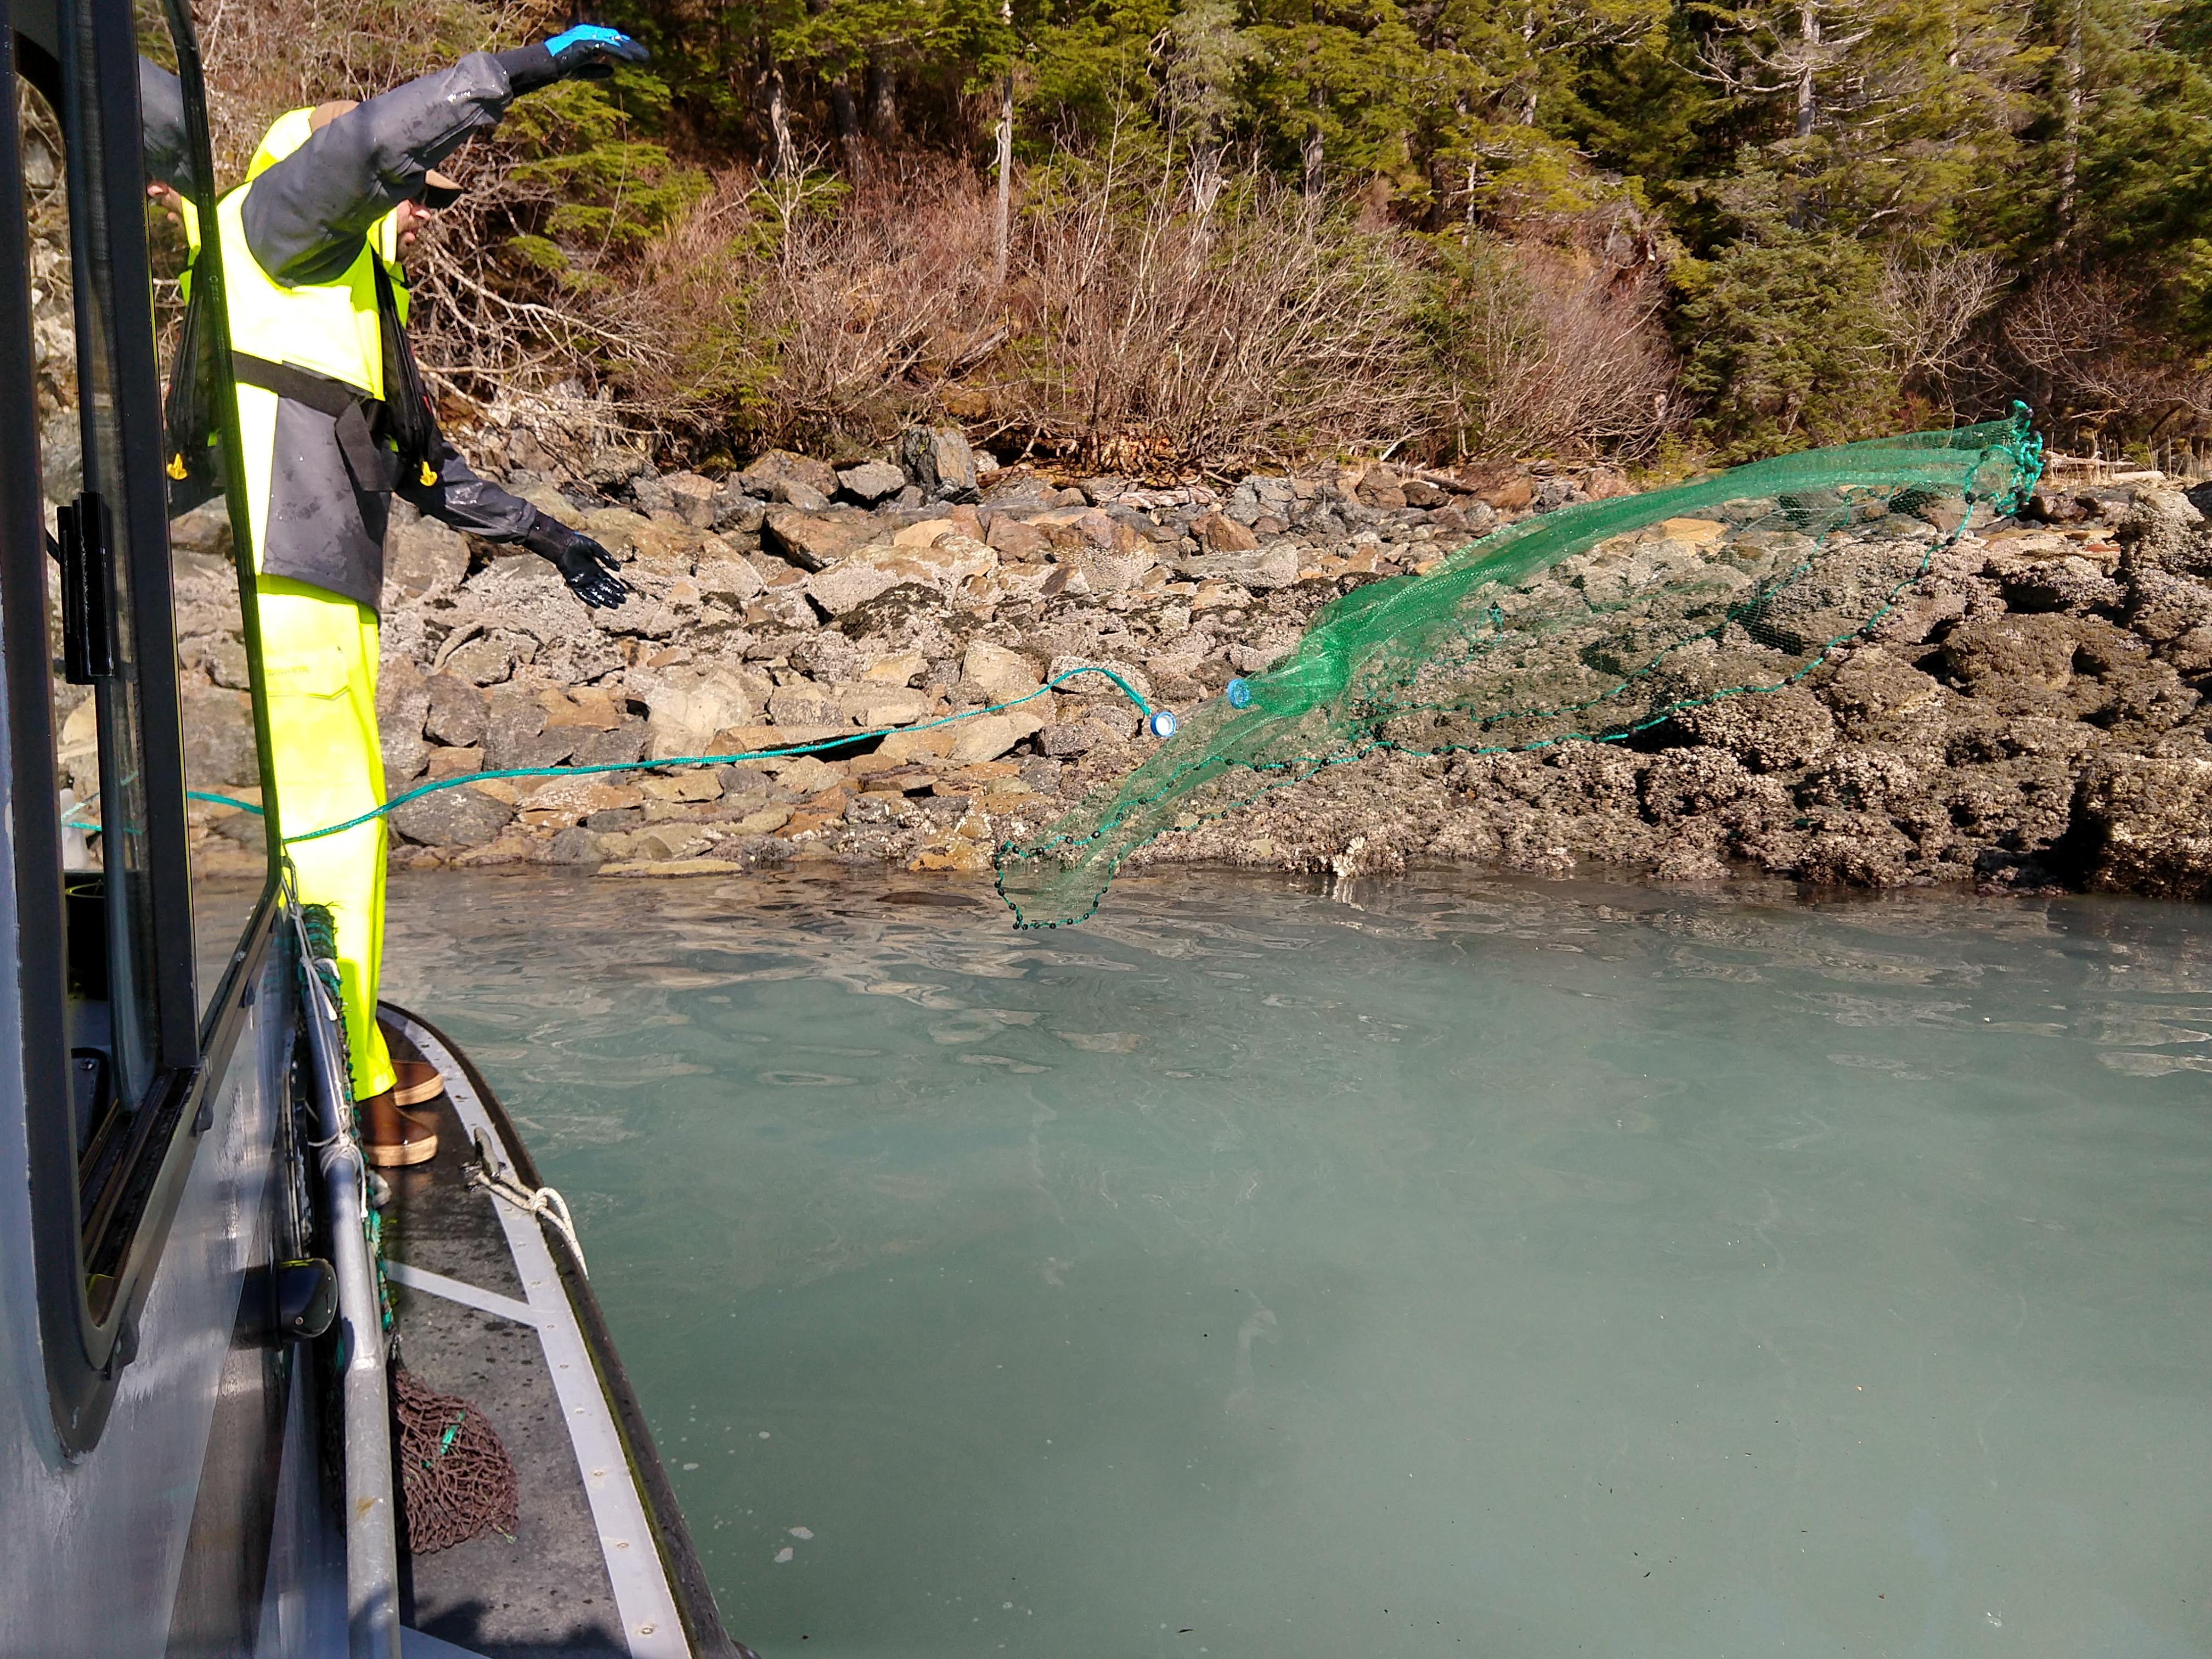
[111, 1016]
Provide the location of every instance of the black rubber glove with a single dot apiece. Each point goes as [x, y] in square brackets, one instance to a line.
[589, 569]
[587, 52]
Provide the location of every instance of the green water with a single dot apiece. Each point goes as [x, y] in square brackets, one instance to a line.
[1445, 1266]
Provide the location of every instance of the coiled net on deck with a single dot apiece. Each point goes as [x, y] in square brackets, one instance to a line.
[456, 1481]
[1589, 624]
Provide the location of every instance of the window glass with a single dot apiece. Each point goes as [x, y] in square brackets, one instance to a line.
[130, 1013]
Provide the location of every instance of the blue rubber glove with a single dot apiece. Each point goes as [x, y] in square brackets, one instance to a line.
[588, 51]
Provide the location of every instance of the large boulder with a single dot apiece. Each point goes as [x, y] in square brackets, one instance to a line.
[871, 481]
[813, 541]
[853, 581]
[218, 730]
[763, 475]
[1217, 533]
[691, 498]
[456, 711]
[687, 705]
[515, 734]
[463, 816]
[2174, 613]
[997, 674]
[1258, 570]
[2146, 825]
[2014, 663]
[402, 703]
[939, 461]
[423, 557]
[1778, 730]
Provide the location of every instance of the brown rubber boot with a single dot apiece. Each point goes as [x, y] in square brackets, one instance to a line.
[392, 1136]
[416, 1078]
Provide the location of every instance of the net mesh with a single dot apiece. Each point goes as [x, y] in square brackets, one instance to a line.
[1589, 624]
[458, 1481]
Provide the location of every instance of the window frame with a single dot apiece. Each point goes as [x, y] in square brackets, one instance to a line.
[87, 68]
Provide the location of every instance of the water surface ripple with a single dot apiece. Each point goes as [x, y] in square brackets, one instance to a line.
[1441, 1267]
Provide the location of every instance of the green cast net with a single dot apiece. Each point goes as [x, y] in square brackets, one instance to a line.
[1589, 624]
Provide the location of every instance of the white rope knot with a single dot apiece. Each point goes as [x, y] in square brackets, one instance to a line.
[543, 1202]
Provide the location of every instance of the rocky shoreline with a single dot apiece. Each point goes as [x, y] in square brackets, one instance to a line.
[2032, 717]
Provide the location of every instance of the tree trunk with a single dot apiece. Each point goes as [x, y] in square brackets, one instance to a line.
[1005, 214]
[1535, 78]
[847, 114]
[1808, 36]
[781, 157]
[883, 99]
[1005, 152]
[1311, 156]
[2075, 69]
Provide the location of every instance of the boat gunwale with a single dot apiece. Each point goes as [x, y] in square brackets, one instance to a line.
[687, 1579]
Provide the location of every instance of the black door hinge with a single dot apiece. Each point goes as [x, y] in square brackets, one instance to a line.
[87, 616]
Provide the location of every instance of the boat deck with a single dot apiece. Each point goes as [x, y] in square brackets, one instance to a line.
[488, 1307]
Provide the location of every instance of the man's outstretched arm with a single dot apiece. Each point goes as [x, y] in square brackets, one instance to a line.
[305, 217]
[480, 508]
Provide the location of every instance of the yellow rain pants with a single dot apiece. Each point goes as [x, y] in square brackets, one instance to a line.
[319, 652]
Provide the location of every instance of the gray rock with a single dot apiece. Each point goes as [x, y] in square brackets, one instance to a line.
[736, 509]
[574, 845]
[652, 494]
[2146, 823]
[940, 462]
[619, 745]
[1780, 731]
[762, 475]
[402, 703]
[797, 492]
[218, 732]
[457, 712]
[424, 558]
[871, 481]
[813, 541]
[205, 530]
[222, 656]
[691, 498]
[248, 829]
[1260, 570]
[515, 734]
[61, 457]
[610, 468]
[2071, 584]
[460, 816]
[484, 660]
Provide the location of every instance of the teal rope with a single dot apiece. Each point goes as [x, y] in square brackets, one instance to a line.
[838, 742]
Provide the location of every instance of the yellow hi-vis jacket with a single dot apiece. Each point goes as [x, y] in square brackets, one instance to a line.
[304, 240]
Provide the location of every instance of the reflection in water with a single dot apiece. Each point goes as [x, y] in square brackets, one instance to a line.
[1480, 1267]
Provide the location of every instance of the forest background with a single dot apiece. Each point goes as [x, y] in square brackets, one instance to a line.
[1147, 237]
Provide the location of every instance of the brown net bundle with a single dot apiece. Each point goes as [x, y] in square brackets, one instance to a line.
[458, 1481]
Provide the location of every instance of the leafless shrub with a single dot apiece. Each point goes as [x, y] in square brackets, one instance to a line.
[874, 308]
[1928, 308]
[2080, 343]
[1547, 352]
[1154, 333]
[1135, 330]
